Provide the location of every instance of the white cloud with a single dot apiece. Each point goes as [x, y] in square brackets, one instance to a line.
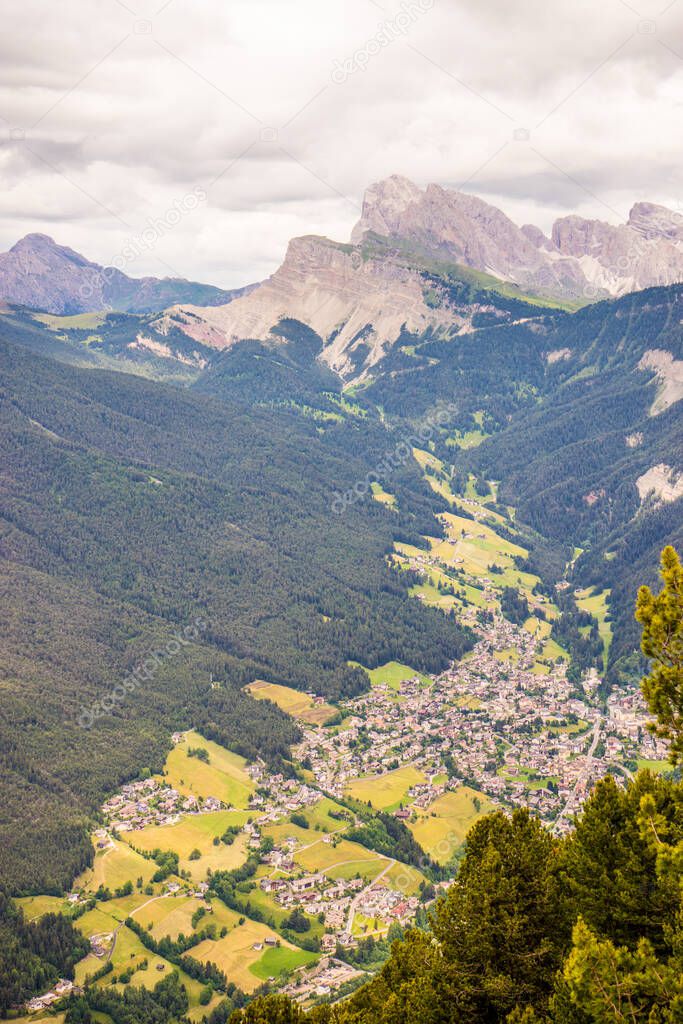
[127, 106]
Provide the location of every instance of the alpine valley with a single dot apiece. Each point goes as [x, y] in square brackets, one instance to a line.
[300, 583]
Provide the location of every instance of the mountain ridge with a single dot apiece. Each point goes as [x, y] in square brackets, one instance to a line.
[359, 297]
[39, 273]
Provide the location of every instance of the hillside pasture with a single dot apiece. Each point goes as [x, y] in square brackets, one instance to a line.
[197, 832]
[443, 826]
[235, 953]
[301, 706]
[224, 777]
[113, 867]
[388, 791]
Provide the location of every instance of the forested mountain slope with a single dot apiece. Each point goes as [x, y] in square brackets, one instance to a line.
[132, 511]
[599, 459]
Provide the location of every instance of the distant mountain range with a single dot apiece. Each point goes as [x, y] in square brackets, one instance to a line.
[40, 274]
[583, 259]
[406, 248]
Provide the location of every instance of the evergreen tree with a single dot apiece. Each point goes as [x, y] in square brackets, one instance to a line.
[502, 926]
[661, 617]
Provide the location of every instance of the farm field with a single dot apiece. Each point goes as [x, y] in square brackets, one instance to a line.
[442, 827]
[321, 856]
[224, 777]
[526, 777]
[438, 483]
[37, 906]
[113, 867]
[430, 594]
[403, 877]
[553, 651]
[659, 767]
[538, 627]
[170, 915]
[196, 832]
[235, 955]
[319, 814]
[283, 830]
[292, 702]
[281, 959]
[79, 321]
[128, 952]
[368, 868]
[386, 792]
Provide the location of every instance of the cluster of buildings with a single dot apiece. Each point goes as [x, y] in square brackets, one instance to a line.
[150, 802]
[326, 977]
[278, 795]
[316, 894]
[63, 988]
[492, 721]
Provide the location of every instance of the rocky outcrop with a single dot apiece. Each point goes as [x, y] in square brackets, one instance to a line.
[40, 274]
[669, 374]
[459, 227]
[357, 303]
[660, 484]
[358, 298]
[583, 259]
[617, 259]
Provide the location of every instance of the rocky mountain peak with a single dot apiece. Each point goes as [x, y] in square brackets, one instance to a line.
[39, 273]
[654, 221]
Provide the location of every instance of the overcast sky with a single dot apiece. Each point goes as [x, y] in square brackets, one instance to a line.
[272, 116]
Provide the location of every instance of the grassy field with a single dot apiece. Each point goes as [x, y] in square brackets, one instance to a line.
[507, 654]
[393, 674]
[170, 915]
[368, 868]
[383, 497]
[281, 960]
[224, 777]
[596, 605]
[468, 439]
[538, 627]
[658, 767]
[386, 792]
[80, 321]
[552, 651]
[442, 828]
[197, 832]
[319, 814]
[325, 857]
[469, 702]
[37, 906]
[438, 483]
[128, 952]
[403, 878]
[115, 866]
[235, 954]
[430, 594]
[525, 776]
[292, 702]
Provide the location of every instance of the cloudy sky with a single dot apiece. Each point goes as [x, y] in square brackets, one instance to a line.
[233, 126]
